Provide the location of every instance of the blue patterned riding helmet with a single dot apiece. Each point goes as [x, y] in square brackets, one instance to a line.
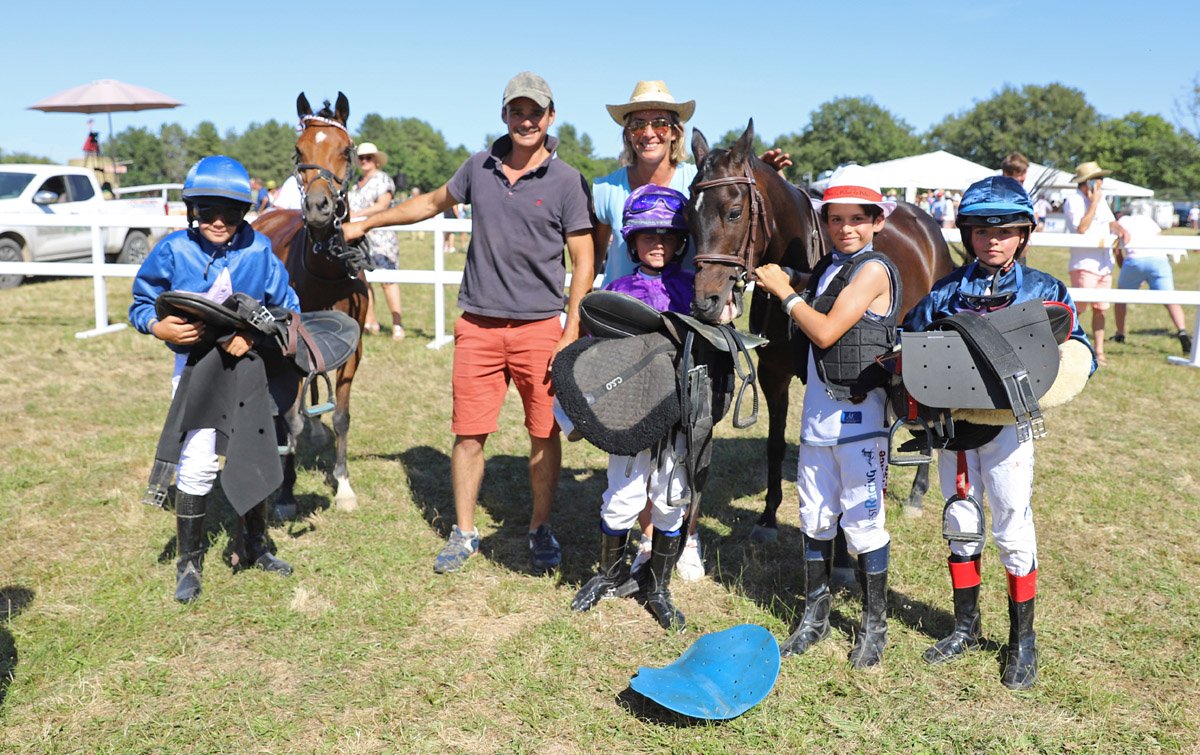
[218, 177]
[996, 201]
[653, 208]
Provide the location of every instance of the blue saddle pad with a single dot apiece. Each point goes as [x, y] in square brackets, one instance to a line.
[722, 675]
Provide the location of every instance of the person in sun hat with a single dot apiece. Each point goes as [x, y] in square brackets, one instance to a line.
[527, 205]
[996, 218]
[1086, 212]
[652, 131]
[218, 254]
[655, 229]
[845, 318]
[370, 195]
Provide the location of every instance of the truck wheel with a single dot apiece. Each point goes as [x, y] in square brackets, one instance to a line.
[135, 249]
[10, 251]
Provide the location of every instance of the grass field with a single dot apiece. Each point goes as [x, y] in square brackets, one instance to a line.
[365, 649]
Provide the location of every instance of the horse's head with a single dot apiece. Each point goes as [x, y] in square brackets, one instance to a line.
[728, 222]
[324, 162]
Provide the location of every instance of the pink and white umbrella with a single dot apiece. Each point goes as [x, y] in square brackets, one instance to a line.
[105, 96]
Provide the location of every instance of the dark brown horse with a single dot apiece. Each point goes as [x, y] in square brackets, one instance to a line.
[324, 270]
[743, 214]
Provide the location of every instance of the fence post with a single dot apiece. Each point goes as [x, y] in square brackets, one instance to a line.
[99, 289]
[440, 338]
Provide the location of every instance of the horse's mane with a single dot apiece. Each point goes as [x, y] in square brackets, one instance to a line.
[326, 112]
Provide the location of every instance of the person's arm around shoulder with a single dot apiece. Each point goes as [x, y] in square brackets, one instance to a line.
[868, 289]
[583, 273]
[413, 210]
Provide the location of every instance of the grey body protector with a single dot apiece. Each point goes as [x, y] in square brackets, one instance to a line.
[849, 367]
[646, 377]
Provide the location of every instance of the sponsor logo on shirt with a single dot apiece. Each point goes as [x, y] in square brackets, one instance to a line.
[851, 418]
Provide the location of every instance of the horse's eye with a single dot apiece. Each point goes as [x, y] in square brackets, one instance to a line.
[735, 213]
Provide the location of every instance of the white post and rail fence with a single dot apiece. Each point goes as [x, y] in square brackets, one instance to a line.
[440, 278]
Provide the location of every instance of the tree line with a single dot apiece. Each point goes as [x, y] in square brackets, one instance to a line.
[1052, 124]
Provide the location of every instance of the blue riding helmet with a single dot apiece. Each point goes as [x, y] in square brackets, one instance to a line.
[218, 177]
[721, 676]
[995, 202]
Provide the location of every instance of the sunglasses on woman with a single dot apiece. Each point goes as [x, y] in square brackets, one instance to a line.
[648, 202]
[229, 214]
[660, 125]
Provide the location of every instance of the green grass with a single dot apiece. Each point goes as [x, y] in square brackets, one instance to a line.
[366, 650]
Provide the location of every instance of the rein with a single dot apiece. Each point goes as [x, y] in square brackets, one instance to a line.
[354, 257]
[748, 250]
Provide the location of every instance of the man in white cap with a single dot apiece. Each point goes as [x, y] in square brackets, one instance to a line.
[526, 205]
[1091, 266]
[845, 318]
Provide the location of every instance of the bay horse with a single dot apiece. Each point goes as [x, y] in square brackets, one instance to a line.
[325, 271]
[742, 214]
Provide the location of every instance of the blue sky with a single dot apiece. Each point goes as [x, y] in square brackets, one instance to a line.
[447, 63]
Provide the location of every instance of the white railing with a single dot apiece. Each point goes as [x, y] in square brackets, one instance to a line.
[439, 277]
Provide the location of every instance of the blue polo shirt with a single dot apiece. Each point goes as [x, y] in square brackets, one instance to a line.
[516, 266]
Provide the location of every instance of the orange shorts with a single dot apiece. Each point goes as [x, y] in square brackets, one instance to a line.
[488, 353]
[1088, 279]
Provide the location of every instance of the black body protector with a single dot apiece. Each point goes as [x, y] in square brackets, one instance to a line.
[849, 368]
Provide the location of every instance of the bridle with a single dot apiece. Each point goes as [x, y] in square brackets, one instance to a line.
[353, 256]
[749, 250]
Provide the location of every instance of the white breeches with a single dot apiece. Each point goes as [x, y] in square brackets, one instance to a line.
[198, 462]
[844, 484]
[1001, 476]
[663, 485]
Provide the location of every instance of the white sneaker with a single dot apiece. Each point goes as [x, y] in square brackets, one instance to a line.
[690, 566]
[645, 547]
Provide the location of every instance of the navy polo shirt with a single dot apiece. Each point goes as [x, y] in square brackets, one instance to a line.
[516, 266]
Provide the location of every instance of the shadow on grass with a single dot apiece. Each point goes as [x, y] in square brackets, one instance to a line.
[505, 497]
[648, 711]
[13, 599]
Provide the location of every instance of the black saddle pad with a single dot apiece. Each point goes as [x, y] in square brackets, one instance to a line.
[334, 334]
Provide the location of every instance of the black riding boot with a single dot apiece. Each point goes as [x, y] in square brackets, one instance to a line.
[189, 543]
[1020, 670]
[814, 625]
[613, 570]
[967, 634]
[872, 635]
[656, 584]
[257, 552]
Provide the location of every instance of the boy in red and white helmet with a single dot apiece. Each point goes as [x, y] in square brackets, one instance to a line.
[845, 318]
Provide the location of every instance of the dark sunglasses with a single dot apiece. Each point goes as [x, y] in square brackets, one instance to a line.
[366, 157]
[985, 304]
[208, 213]
[660, 125]
[648, 202]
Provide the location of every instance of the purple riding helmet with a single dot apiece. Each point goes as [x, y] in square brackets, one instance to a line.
[653, 208]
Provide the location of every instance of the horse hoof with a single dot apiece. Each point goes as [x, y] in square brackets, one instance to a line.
[913, 512]
[761, 534]
[346, 499]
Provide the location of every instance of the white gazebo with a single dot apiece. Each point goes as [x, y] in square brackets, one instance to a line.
[933, 170]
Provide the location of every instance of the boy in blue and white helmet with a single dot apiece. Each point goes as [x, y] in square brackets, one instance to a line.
[996, 218]
[217, 255]
[655, 228]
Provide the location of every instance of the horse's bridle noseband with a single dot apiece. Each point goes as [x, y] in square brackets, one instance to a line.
[354, 257]
[748, 251]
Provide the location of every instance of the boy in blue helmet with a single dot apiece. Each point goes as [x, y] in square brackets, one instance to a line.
[654, 227]
[996, 218]
[217, 255]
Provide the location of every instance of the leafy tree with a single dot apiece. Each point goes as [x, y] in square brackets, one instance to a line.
[414, 148]
[1187, 109]
[844, 130]
[729, 137]
[576, 150]
[1052, 124]
[265, 149]
[1147, 150]
[204, 141]
[174, 152]
[142, 151]
[23, 157]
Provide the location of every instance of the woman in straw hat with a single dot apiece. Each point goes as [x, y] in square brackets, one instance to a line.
[370, 195]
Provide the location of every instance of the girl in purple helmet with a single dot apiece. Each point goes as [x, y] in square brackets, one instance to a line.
[655, 229]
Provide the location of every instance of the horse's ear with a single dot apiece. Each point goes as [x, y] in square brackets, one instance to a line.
[303, 109]
[743, 148]
[699, 145]
[342, 109]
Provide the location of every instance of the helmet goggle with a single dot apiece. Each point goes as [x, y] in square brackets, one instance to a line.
[229, 213]
[647, 202]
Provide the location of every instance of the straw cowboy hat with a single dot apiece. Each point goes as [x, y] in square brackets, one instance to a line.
[652, 95]
[369, 148]
[1087, 171]
[852, 184]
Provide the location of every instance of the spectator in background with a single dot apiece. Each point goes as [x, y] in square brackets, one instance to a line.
[259, 194]
[1015, 166]
[1041, 208]
[1193, 217]
[1086, 212]
[272, 191]
[370, 195]
[288, 197]
[1147, 264]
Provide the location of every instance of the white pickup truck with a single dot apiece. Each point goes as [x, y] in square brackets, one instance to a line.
[64, 190]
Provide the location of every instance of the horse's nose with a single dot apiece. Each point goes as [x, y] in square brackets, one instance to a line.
[318, 204]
